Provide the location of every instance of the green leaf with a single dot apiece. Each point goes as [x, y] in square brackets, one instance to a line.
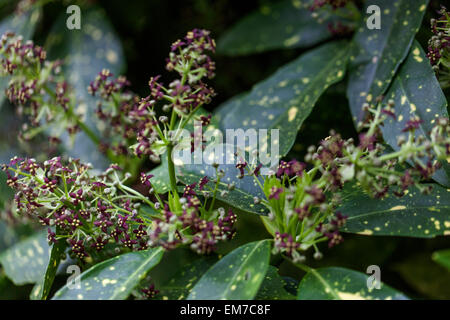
[378, 53]
[237, 276]
[113, 279]
[413, 215]
[342, 284]
[86, 52]
[442, 257]
[42, 290]
[21, 24]
[273, 287]
[26, 262]
[285, 99]
[182, 283]
[288, 24]
[161, 179]
[416, 92]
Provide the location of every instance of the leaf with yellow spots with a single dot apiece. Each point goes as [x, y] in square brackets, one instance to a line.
[335, 283]
[378, 53]
[413, 215]
[21, 24]
[26, 262]
[442, 257]
[416, 92]
[86, 52]
[237, 276]
[288, 24]
[113, 279]
[285, 99]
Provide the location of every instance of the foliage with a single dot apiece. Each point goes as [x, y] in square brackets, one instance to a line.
[132, 178]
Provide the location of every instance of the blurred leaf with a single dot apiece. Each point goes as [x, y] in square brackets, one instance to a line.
[26, 262]
[21, 24]
[378, 53]
[86, 52]
[288, 24]
[342, 284]
[413, 215]
[416, 92]
[237, 276]
[113, 279]
[442, 257]
[273, 287]
[182, 283]
[7, 236]
[425, 276]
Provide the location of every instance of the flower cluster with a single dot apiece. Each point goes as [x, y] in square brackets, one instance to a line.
[439, 46]
[36, 87]
[94, 212]
[182, 97]
[303, 197]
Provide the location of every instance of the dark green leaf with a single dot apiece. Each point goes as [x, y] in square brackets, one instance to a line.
[442, 257]
[182, 283]
[416, 92]
[26, 262]
[414, 215]
[273, 287]
[113, 279]
[288, 24]
[342, 284]
[378, 53]
[86, 52]
[238, 275]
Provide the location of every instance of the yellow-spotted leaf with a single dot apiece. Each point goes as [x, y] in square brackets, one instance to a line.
[26, 262]
[287, 24]
[343, 284]
[442, 257]
[285, 99]
[416, 92]
[413, 215]
[378, 53]
[113, 279]
[237, 276]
